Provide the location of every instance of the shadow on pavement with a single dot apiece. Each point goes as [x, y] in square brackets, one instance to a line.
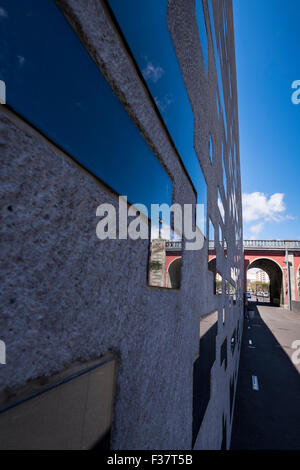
[269, 418]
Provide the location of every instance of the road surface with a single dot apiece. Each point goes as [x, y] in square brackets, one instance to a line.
[268, 417]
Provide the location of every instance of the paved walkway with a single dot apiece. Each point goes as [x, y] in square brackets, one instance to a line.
[268, 418]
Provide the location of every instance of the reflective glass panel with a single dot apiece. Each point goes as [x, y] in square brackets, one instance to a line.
[202, 32]
[217, 61]
[147, 34]
[52, 81]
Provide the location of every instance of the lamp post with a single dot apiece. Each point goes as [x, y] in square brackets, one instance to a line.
[288, 280]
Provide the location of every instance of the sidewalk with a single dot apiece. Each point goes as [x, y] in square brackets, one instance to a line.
[268, 418]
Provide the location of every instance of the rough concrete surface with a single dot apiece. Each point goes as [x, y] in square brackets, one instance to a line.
[67, 296]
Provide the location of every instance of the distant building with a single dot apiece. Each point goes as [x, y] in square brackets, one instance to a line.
[261, 276]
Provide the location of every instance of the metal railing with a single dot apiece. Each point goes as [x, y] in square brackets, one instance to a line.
[174, 245]
[248, 244]
[272, 244]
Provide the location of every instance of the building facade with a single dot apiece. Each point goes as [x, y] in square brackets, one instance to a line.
[261, 276]
[107, 99]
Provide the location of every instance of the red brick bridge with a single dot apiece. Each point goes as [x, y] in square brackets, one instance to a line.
[272, 256]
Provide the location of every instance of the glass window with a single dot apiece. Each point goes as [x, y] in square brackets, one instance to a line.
[217, 101]
[52, 81]
[210, 149]
[217, 61]
[147, 34]
[202, 32]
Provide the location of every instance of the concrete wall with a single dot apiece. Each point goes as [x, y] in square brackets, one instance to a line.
[67, 297]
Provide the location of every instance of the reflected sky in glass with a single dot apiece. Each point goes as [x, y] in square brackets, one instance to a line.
[211, 235]
[210, 149]
[202, 32]
[217, 61]
[144, 25]
[52, 81]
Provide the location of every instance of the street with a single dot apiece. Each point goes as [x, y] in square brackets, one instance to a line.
[259, 298]
[267, 410]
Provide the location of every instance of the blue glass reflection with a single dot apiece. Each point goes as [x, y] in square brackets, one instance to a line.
[53, 82]
[217, 61]
[210, 149]
[224, 171]
[202, 32]
[147, 34]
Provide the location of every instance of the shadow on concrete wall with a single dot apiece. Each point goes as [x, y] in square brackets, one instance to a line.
[202, 377]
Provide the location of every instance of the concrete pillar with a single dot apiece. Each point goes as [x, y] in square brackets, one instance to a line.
[292, 276]
[283, 300]
[288, 279]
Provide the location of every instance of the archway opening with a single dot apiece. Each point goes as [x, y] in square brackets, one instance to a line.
[174, 274]
[258, 285]
[212, 267]
[274, 275]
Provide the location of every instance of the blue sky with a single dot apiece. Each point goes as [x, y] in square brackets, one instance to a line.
[268, 62]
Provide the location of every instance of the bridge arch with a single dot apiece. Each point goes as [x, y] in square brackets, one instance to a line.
[212, 265]
[275, 273]
[174, 273]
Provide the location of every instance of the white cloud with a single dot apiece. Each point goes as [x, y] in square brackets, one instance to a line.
[3, 13]
[257, 206]
[21, 60]
[256, 229]
[163, 103]
[166, 233]
[153, 73]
